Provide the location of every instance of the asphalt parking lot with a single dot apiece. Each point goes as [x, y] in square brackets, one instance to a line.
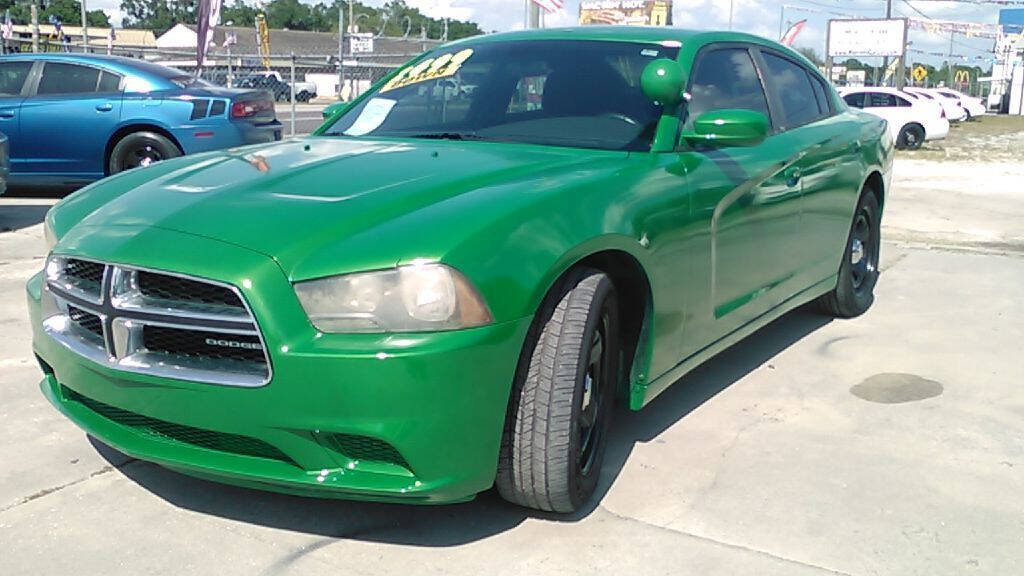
[888, 445]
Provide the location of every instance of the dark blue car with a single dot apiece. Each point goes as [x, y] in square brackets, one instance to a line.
[74, 118]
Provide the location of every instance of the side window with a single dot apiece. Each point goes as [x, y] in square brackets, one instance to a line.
[793, 88]
[855, 100]
[61, 78]
[12, 77]
[109, 82]
[821, 94]
[902, 102]
[725, 79]
[882, 100]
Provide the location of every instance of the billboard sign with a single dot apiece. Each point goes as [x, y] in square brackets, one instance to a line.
[626, 12]
[865, 38]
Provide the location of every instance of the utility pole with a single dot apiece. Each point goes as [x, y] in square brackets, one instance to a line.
[85, 28]
[731, 2]
[782, 17]
[534, 12]
[35, 25]
[341, 50]
[888, 15]
[949, 61]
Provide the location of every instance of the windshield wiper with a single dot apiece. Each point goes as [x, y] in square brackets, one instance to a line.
[448, 136]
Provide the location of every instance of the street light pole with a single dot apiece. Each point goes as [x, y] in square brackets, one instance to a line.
[731, 2]
[34, 10]
[341, 50]
[85, 28]
[782, 17]
[889, 14]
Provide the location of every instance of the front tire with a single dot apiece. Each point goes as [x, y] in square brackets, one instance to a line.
[855, 290]
[140, 149]
[562, 399]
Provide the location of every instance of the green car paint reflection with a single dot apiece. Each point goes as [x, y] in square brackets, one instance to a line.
[383, 291]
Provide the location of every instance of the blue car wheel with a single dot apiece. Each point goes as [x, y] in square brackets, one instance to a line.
[140, 149]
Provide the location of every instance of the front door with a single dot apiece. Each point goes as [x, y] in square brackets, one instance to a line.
[746, 204]
[68, 120]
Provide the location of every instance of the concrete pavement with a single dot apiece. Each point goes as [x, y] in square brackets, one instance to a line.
[892, 445]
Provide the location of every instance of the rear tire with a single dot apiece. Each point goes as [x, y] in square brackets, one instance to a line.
[562, 399]
[911, 137]
[855, 290]
[140, 149]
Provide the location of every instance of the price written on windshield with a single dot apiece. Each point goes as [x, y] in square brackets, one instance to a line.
[444, 66]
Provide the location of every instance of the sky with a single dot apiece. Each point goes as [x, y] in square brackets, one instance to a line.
[760, 17]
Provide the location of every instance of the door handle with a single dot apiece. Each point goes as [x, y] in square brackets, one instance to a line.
[6, 114]
[104, 107]
[793, 177]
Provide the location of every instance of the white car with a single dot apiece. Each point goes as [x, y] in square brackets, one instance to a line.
[954, 111]
[912, 120]
[974, 106]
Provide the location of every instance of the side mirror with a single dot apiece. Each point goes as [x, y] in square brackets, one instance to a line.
[662, 82]
[729, 128]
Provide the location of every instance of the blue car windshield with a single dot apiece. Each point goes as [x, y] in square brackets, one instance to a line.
[572, 93]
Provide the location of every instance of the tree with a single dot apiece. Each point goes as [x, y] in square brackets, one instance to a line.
[239, 14]
[69, 12]
[812, 55]
[158, 15]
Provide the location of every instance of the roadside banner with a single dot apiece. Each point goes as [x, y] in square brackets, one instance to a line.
[790, 36]
[207, 19]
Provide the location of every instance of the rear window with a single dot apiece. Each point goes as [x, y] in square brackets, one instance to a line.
[61, 78]
[793, 87]
[12, 77]
[190, 82]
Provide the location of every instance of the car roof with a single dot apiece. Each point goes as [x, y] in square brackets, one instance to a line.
[645, 34]
[120, 64]
[641, 34]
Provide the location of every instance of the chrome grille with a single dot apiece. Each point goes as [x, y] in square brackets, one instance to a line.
[153, 322]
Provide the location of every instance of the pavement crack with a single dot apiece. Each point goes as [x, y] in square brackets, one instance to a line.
[54, 489]
[723, 544]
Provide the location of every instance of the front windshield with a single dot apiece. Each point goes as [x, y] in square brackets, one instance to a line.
[572, 93]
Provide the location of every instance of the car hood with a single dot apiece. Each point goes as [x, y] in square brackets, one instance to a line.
[292, 199]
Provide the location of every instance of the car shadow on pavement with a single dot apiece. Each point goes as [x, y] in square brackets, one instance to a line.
[488, 514]
[17, 216]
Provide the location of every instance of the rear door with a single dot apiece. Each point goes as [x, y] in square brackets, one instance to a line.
[70, 97]
[828, 168]
[14, 75]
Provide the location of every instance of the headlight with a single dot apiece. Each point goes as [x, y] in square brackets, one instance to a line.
[49, 235]
[416, 298]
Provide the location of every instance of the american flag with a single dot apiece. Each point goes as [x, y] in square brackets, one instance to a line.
[550, 6]
[8, 32]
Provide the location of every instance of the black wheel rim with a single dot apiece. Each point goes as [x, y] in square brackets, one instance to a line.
[595, 379]
[863, 255]
[911, 138]
[141, 156]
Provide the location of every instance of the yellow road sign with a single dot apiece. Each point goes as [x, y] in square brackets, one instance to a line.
[920, 73]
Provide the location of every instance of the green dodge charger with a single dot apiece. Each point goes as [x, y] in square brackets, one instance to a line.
[452, 283]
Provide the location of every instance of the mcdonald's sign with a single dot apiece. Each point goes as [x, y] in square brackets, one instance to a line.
[962, 77]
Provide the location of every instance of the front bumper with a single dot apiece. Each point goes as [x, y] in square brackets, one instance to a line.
[409, 418]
